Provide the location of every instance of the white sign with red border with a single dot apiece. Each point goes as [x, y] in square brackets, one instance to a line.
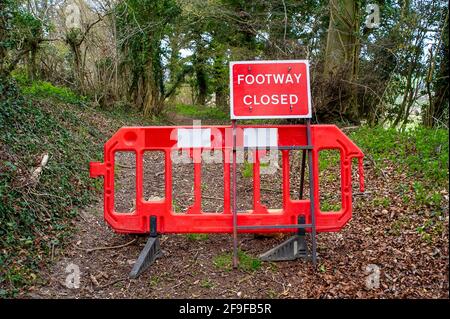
[270, 89]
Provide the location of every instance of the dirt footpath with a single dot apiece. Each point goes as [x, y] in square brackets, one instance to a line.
[379, 254]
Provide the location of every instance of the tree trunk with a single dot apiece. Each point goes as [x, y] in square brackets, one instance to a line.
[221, 98]
[437, 103]
[201, 86]
[77, 66]
[220, 77]
[154, 95]
[3, 38]
[200, 71]
[32, 63]
[342, 54]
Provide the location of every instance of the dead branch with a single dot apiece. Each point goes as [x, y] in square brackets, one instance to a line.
[111, 283]
[108, 247]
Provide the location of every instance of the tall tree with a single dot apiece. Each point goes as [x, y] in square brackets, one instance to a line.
[142, 26]
[438, 77]
[20, 34]
[342, 54]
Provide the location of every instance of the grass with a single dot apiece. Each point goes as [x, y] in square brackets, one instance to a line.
[154, 281]
[322, 268]
[400, 225]
[201, 112]
[426, 197]
[43, 89]
[197, 237]
[432, 227]
[381, 202]
[206, 283]
[329, 180]
[419, 154]
[329, 158]
[176, 207]
[326, 206]
[247, 170]
[246, 261]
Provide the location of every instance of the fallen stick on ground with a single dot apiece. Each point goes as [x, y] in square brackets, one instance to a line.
[125, 166]
[108, 247]
[212, 198]
[245, 279]
[194, 260]
[111, 283]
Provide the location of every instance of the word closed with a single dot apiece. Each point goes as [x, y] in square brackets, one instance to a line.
[270, 89]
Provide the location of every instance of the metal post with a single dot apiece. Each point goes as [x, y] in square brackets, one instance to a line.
[302, 174]
[235, 235]
[153, 221]
[311, 194]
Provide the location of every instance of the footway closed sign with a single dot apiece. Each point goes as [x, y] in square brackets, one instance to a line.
[270, 89]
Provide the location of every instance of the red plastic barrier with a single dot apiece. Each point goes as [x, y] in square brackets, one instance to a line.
[166, 139]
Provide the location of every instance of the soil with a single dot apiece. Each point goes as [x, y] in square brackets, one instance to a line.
[408, 265]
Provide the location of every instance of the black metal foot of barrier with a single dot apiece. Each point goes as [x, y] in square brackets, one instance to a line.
[151, 251]
[148, 255]
[291, 249]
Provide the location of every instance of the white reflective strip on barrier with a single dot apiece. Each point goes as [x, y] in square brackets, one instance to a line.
[260, 137]
[195, 137]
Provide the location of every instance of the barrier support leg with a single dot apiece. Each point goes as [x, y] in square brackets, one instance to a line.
[311, 196]
[151, 251]
[302, 174]
[291, 249]
[235, 234]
